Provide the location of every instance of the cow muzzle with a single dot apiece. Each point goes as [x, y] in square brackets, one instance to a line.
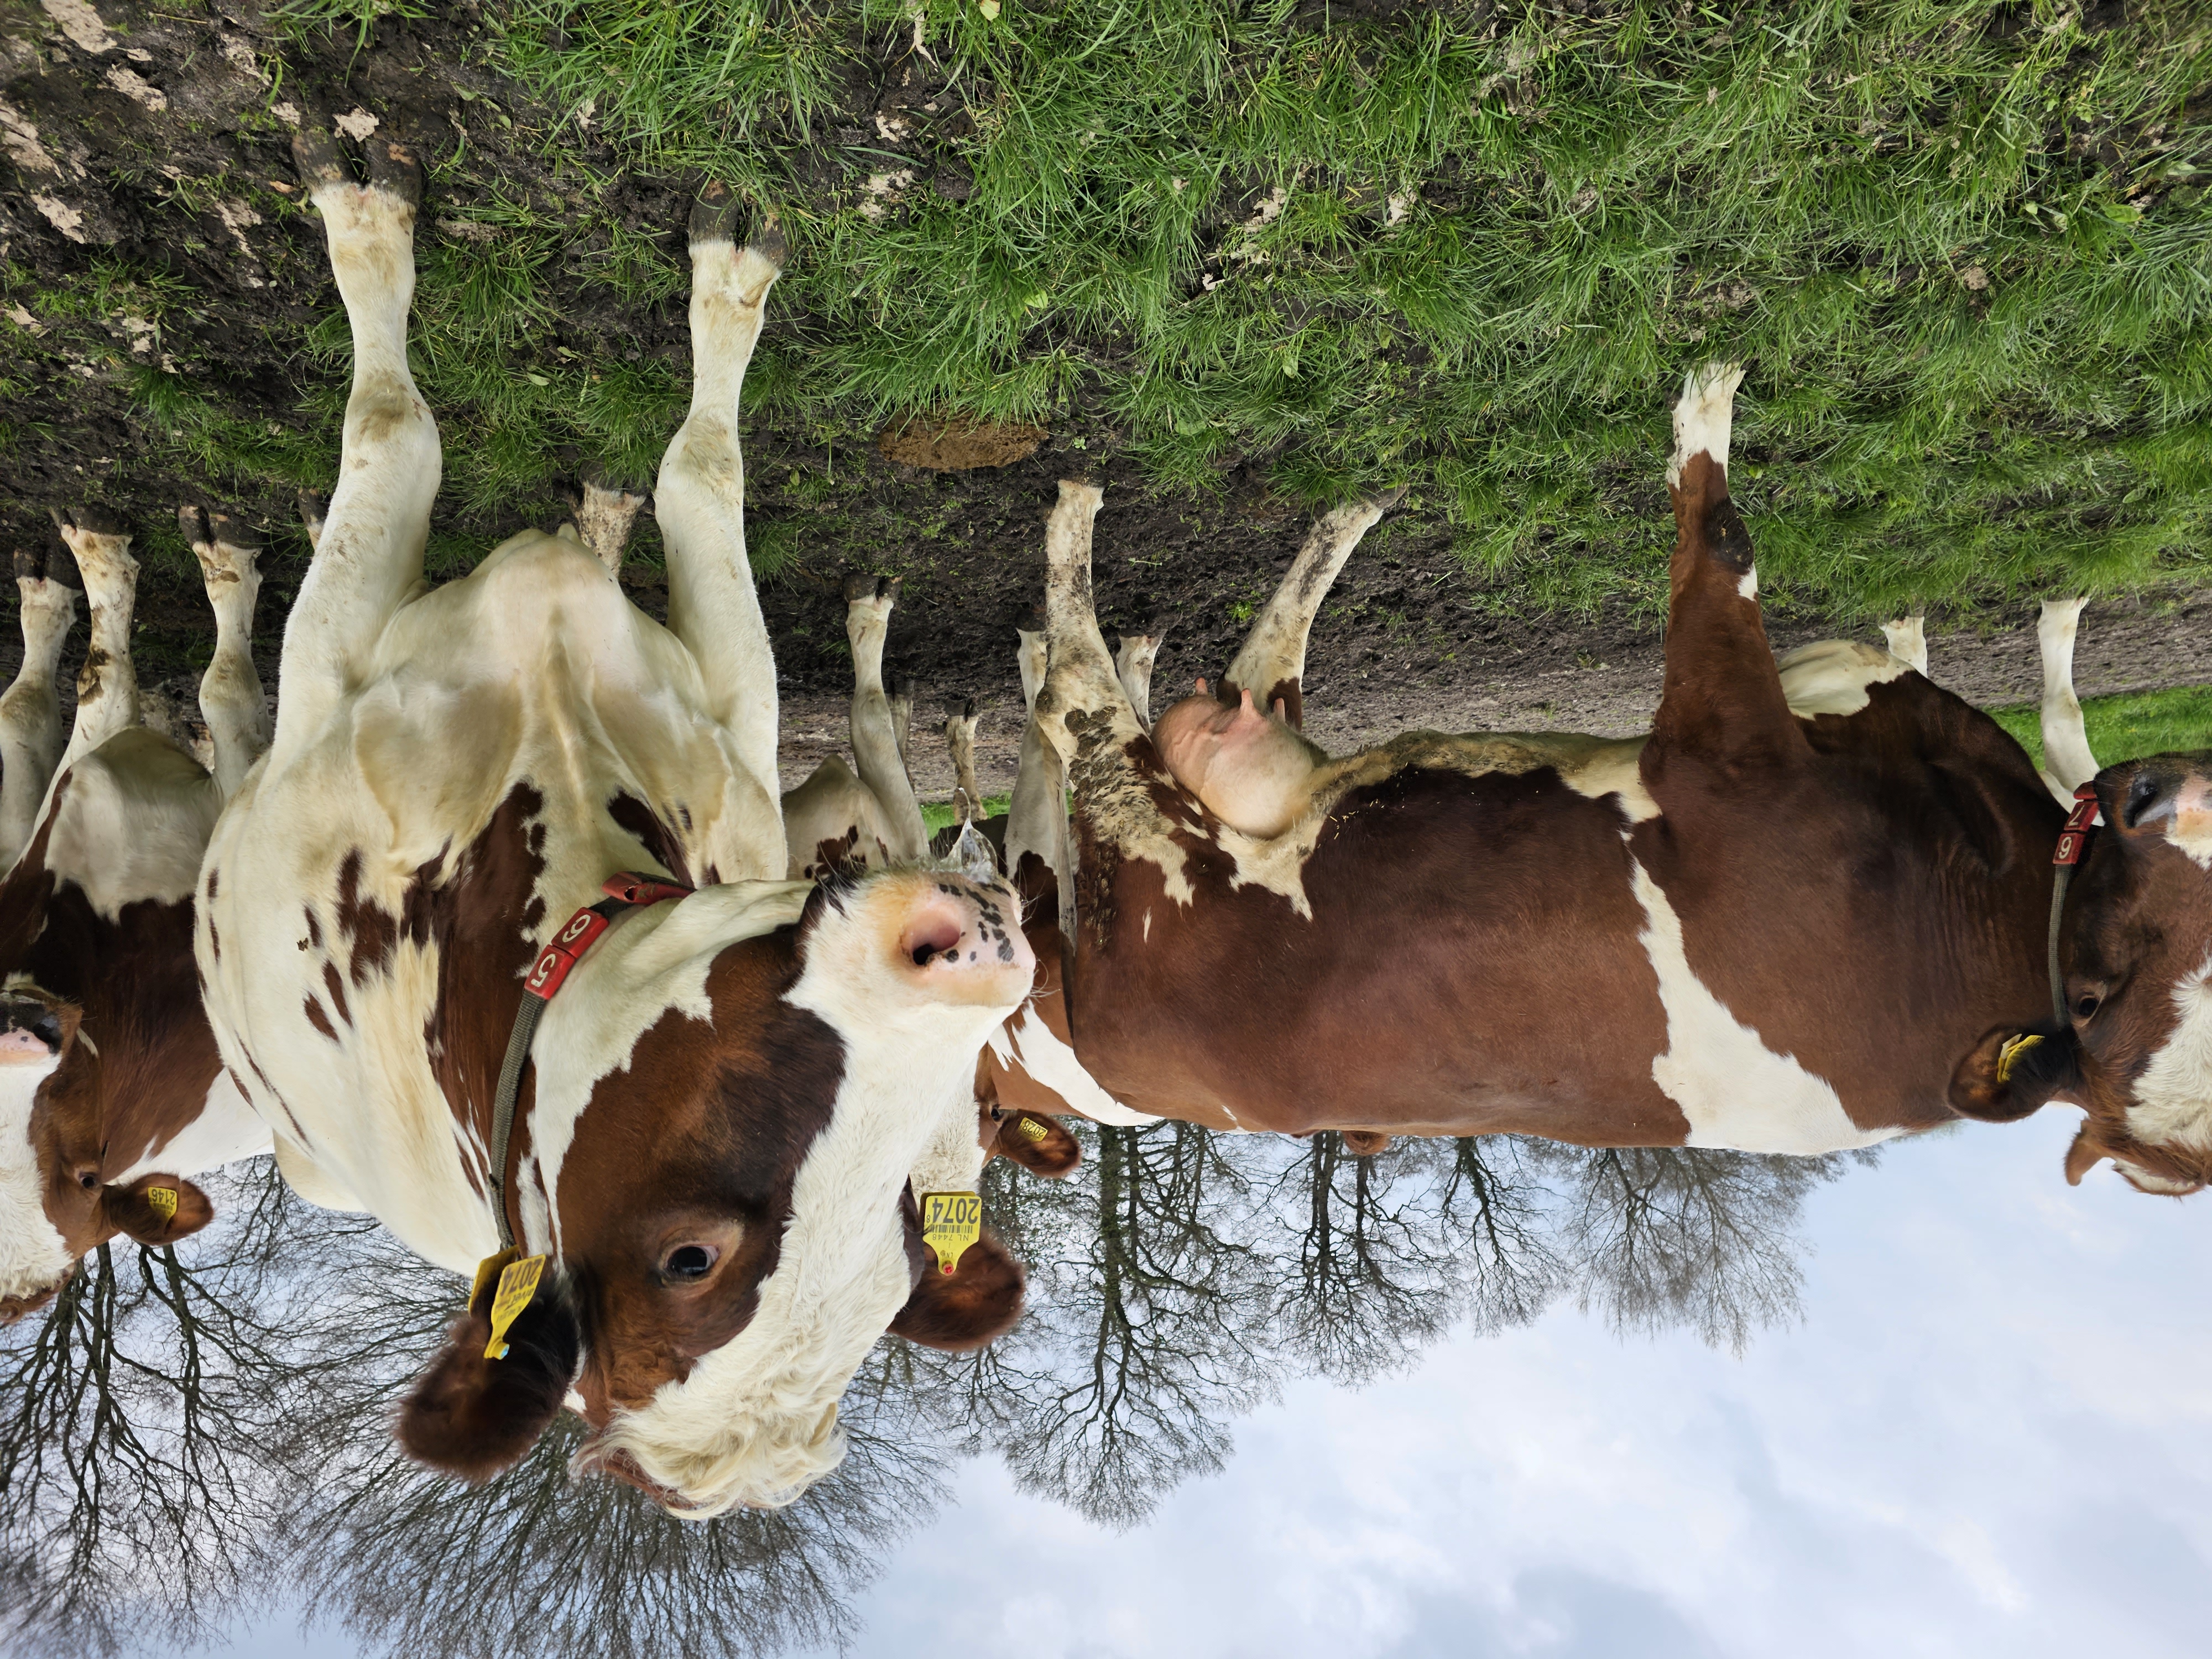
[29, 1030]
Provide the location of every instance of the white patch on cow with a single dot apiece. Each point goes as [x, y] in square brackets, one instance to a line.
[1746, 586]
[538, 1237]
[129, 821]
[1614, 768]
[1736, 1092]
[2173, 1096]
[227, 1129]
[33, 1253]
[1703, 417]
[1028, 1042]
[2188, 821]
[1907, 639]
[755, 1421]
[1148, 924]
[1831, 677]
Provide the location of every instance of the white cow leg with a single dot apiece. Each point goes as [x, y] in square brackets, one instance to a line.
[107, 683]
[313, 508]
[1038, 809]
[31, 709]
[876, 748]
[1908, 642]
[231, 701]
[1134, 658]
[1273, 663]
[901, 706]
[700, 496]
[369, 553]
[960, 745]
[2067, 762]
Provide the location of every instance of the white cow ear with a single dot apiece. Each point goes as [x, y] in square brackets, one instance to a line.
[472, 1417]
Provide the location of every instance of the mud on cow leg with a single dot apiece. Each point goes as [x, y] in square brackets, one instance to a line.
[960, 743]
[1134, 657]
[699, 496]
[31, 709]
[1272, 665]
[231, 700]
[1037, 813]
[107, 683]
[368, 552]
[1723, 697]
[605, 516]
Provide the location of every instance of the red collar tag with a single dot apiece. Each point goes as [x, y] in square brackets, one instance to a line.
[551, 969]
[2073, 839]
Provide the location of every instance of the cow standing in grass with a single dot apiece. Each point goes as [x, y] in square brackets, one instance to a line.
[1809, 911]
[111, 1093]
[712, 1131]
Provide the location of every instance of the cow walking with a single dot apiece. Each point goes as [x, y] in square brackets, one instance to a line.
[1809, 911]
[708, 1137]
[110, 1093]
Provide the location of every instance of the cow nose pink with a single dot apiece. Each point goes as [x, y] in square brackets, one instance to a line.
[929, 938]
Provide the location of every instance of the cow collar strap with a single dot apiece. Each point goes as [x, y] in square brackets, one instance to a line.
[2073, 842]
[623, 891]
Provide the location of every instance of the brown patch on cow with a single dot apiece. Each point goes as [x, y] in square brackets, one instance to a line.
[336, 986]
[977, 1302]
[314, 929]
[958, 443]
[638, 819]
[834, 856]
[211, 885]
[316, 1018]
[1290, 694]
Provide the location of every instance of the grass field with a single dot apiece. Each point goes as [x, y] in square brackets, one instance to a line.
[2121, 728]
[1965, 248]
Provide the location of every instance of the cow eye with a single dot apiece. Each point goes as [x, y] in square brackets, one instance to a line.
[2086, 1006]
[88, 1179]
[688, 1261]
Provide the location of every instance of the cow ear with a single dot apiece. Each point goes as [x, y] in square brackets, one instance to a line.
[155, 1209]
[1039, 1143]
[968, 1308]
[2086, 1152]
[471, 1416]
[2012, 1072]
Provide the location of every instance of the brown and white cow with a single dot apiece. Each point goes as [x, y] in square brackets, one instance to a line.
[1807, 911]
[714, 1134]
[110, 1093]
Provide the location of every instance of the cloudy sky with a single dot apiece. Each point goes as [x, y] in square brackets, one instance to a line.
[1992, 1433]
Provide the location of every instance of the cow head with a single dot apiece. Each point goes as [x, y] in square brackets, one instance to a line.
[722, 1132]
[54, 1204]
[2135, 952]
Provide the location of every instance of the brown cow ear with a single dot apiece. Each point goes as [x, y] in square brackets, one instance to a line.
[1039, 1143]
[471, 1416]
[967, 1308]
[2086, 1152]
[2012, 1072]
[151, 1219]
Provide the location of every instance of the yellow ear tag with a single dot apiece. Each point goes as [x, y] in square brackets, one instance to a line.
[518, 1283]
[163, 1201]
[1033, 1129]
[488, 1272]
[2008, 1056]
[951, 1222]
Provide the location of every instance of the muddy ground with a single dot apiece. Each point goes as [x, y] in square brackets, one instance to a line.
[159, 140]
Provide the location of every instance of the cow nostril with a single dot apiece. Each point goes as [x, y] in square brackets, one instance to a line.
[2143, 795]
[48, 1030]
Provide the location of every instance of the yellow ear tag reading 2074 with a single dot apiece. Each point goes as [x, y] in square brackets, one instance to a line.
[951, 1222]
[162, 1200]
[518, 1283]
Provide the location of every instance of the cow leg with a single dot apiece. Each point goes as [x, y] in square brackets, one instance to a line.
[1908, 642]
[107, 683]
[1273, 659]
[1036, 814]
[1722, 698]
[960, 742]
[1134, 657]
[313, 507]
[604, 518]
[876, 749]
[231, 702]
[700, 496]
[2067, 762]
[31, 711]
[368, 552]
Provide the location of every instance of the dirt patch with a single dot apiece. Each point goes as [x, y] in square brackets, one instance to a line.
[959, 443]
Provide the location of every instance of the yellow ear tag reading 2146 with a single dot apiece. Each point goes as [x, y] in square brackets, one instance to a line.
[162, 1200]
[518, 1283]
[951, 1222]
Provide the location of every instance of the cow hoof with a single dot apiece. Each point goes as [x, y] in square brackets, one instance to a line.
[768, 241]
[861, 587]
[318, 160]
[395, 169]
[715, 212]
[30, 564]
[88, 521]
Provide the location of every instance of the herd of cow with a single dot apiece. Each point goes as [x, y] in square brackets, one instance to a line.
[1822, 902]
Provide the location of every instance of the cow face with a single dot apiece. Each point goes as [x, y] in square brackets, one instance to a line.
[2136, 955]
[54, 1204]
[730, 1219]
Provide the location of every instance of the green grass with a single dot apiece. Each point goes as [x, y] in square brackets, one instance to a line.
[942, 815]
[2123, 727]
[1965, 248]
